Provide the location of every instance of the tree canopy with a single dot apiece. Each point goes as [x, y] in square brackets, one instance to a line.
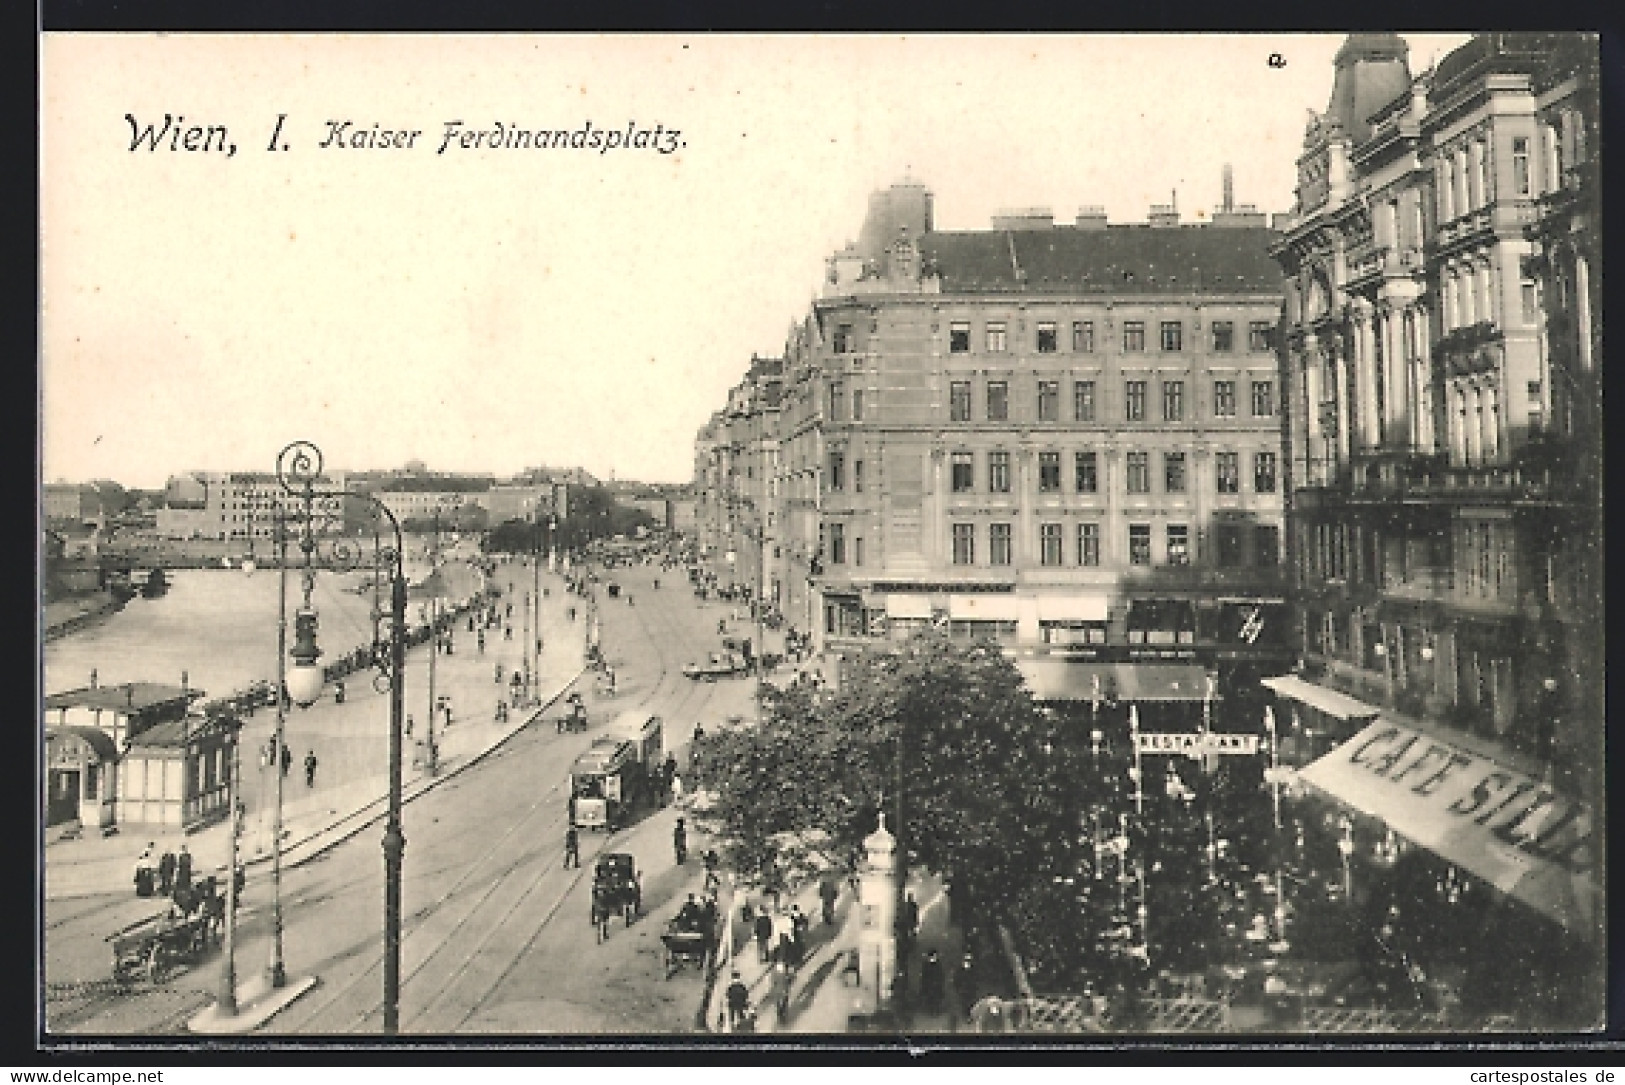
[593, 513]
[945, 734]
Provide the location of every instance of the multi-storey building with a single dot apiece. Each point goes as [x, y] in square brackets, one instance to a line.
[1062, 438]
[736, 461]
[241, 506]
[1442, 403]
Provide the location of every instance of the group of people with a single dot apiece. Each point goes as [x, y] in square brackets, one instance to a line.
[781, 944]
[271, 753]
[163, 876]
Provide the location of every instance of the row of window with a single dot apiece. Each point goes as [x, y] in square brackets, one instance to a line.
[1136, 475]
[1171, 336]
[1085, 400]
[1229, 544]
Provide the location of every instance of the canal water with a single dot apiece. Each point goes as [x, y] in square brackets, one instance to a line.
[218, 626]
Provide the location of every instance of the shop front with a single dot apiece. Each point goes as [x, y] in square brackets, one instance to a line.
[1467, 876]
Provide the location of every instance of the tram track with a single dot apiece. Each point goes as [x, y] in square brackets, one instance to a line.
[458, 935]
[472, 988]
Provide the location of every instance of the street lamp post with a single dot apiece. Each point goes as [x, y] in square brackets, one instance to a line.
[536, 594]
[226, 1005]
[275, 968]
[299, 465]
[430, 760]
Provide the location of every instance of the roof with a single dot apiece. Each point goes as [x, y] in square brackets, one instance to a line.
[176, 733]
[1128, 259]
[100, 742]
[1370, 73]
[131, 696]
[1485, 53]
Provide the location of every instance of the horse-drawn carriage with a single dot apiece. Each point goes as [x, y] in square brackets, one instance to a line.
[687, 939]
[152, 946]
[616, 887]
[574, 717]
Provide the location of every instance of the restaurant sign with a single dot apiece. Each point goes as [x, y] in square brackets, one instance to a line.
[1194, 744]
[1508, 828]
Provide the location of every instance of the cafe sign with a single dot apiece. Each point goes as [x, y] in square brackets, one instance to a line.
[1194, 744]
[1510, 829]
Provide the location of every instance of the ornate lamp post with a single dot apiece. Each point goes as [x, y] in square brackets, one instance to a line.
[299, 465]
[275, 969]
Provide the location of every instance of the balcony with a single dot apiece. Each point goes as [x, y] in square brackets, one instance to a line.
[1460, 230]
[1472, 349]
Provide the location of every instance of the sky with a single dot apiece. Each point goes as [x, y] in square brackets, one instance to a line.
[490, 310]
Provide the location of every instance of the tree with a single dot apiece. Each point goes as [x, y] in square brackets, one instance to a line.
[592, 514]
[946, 735]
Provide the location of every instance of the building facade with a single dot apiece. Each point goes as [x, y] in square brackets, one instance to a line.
[241, 506]
[736, 462]
[1443, 403]
[1061, 438]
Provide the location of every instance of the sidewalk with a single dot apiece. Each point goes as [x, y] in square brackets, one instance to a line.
[822, 997]
[350, 741]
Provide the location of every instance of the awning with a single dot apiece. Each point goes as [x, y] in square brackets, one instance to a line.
[984, 608]
[1328, 701]
[1504, 826]
[1050, 678]
[908, 606]
[1071, 608]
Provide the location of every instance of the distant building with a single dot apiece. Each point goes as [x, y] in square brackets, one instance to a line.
[242, 506]
[65, 504]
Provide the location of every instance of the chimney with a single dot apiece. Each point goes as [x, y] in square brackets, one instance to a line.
[1091, 217]
[129, 694]
[1229, 190]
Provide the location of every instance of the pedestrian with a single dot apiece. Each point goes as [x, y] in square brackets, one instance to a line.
[507, 632]
[166, 872]
[781, 989]
[287, 759]
[783, 937]
[931, 983]
[572, 848]
[908, 922]
[738, 1000]
[144, 873]
[265, 758]
[829, 892]
[709, 921]
[310, 768]
[408, 726]
[763, 930]
[183, 870]
[676, 789]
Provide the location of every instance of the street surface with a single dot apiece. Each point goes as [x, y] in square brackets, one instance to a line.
[495, 935]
